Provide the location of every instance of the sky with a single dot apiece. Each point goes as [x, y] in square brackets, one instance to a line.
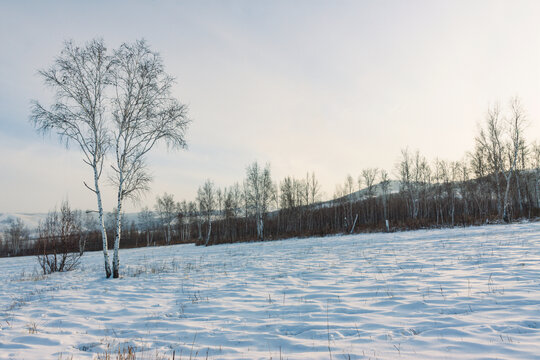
[330, 87]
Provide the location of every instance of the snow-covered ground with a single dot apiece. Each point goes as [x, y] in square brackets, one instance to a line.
[470, 293]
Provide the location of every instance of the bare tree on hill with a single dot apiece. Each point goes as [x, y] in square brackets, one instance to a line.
[167, 211]
[489, 152]
[259, 192]
[498, 149]
[206, 197]
[385, 187]
[516, 122]
[146, 222]
[369, 176]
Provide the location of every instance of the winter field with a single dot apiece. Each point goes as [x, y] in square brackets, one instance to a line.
[469, 293]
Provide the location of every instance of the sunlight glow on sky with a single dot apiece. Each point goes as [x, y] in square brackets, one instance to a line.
[329, 87]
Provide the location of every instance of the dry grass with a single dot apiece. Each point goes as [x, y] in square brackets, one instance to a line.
[129, 352]
[32, 328]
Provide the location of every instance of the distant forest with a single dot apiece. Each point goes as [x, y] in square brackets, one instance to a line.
[498, 181]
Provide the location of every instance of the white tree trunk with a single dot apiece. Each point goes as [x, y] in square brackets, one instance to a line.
[498, 184]
[199, 227]
[209, 232]
[453, 209]
[506, 193]
[102, 225]
[116, 259]
[168, 233]
[508, 181]
[537, 188]
[260, 227]
[520, 200]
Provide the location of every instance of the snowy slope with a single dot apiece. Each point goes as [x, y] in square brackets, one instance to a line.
[394, 187]
[31, 220]
[440, 294]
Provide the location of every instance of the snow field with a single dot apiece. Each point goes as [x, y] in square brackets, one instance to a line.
[468, 293]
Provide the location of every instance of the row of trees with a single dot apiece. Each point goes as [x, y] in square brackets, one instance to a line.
[147, 229]
[120, 104]
[53, 230]
[193, 220]
[15, 238]
[498, 180]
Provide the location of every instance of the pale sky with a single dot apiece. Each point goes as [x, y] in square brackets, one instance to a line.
[326, 86]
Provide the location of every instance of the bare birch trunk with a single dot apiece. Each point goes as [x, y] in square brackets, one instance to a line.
[199, 227]
[499, 203]
[520, 200]
[537, 188]
[168, 233]
[102, 225]
[507, 191]
[209, 232]
[116, 259]
[260, 227]
[453, 209]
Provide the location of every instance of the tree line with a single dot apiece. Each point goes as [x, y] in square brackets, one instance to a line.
[119, 104]
[498, 181]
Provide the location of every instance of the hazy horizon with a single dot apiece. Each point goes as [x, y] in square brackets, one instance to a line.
[308, 86]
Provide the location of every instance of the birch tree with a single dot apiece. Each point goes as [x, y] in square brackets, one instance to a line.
[121, 101]
[259, 191]
[167, 211]
[490, 144]
[78, 78]
[516, 129]
[192, 215]
[479, 167]
[536, 168]
[314, 189]
[414, 174]
[452, 188]
[146, 222]
[369, 176]
[464, 185]
[407, 184]
[144, 114]
[16, 235]
[501, 146]
[385, 186]
[287, 194]
[206, 197]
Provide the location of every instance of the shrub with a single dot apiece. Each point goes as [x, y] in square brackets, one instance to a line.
[59, 241]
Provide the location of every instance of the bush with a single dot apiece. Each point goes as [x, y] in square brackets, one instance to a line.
[59, 241]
